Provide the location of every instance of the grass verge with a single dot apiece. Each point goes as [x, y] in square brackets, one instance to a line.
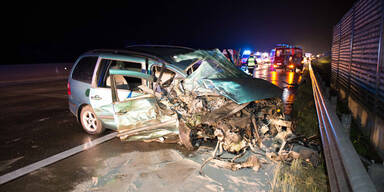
[323, 67]
[304, 111]
[299, 176]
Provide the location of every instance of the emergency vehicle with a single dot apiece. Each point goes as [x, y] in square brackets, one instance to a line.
[287, 57]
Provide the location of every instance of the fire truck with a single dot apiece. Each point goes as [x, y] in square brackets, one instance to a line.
[287, 57]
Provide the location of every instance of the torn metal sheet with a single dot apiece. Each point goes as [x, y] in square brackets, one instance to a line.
[151, 134]
[131, 112]
[217, 74]
[243, 90]
[141, 119]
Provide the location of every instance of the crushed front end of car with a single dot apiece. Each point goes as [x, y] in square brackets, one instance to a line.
[218, 101]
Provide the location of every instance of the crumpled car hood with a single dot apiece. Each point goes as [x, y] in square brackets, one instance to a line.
[244, 90]
[217, 74]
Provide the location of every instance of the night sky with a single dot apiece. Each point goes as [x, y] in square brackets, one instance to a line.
[60, 31]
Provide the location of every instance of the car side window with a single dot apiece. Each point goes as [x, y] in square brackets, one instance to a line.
[122, 82]
[84, 69]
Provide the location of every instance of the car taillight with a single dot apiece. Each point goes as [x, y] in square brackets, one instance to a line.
[69, 88]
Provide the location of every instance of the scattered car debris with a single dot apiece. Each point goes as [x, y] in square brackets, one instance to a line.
[218, 102]
[252, 162]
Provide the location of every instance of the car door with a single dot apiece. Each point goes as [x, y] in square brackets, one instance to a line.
[133, 113]
[100, 96]
[80, 81]
[139, 117]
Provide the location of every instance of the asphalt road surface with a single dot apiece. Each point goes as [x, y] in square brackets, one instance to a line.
[287, 80]
[36, 124]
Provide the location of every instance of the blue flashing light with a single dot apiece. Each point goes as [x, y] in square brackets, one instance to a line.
[247, 52]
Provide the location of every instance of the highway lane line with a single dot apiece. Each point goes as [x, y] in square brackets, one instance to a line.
[60, 156]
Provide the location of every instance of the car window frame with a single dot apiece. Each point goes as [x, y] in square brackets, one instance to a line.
[177, 76]
[77, 64]
[98, 67]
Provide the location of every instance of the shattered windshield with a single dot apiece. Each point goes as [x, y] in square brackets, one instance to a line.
[216, 74]
[212, 65]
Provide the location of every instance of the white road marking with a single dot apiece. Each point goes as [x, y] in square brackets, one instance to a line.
[34, 166]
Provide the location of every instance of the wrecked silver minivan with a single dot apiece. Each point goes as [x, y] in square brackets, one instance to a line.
[197, 95]
[214, 99]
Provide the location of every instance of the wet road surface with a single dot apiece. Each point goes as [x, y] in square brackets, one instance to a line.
[37, 124]
[287, 80]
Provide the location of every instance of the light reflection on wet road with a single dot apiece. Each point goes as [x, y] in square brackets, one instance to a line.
[287, 80]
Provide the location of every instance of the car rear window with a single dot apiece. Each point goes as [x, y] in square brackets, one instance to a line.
[84, 69]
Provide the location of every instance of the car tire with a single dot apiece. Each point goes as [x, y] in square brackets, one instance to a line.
[89, 121]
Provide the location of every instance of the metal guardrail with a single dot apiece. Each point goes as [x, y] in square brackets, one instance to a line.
[345, 169]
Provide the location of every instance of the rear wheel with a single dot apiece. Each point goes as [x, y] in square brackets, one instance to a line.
[89, 121]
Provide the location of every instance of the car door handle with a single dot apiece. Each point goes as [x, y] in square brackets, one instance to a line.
[96, 97]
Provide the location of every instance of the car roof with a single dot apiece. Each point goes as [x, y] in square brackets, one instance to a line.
[163, 52]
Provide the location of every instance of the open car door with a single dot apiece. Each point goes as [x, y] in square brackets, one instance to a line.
[139, 117]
